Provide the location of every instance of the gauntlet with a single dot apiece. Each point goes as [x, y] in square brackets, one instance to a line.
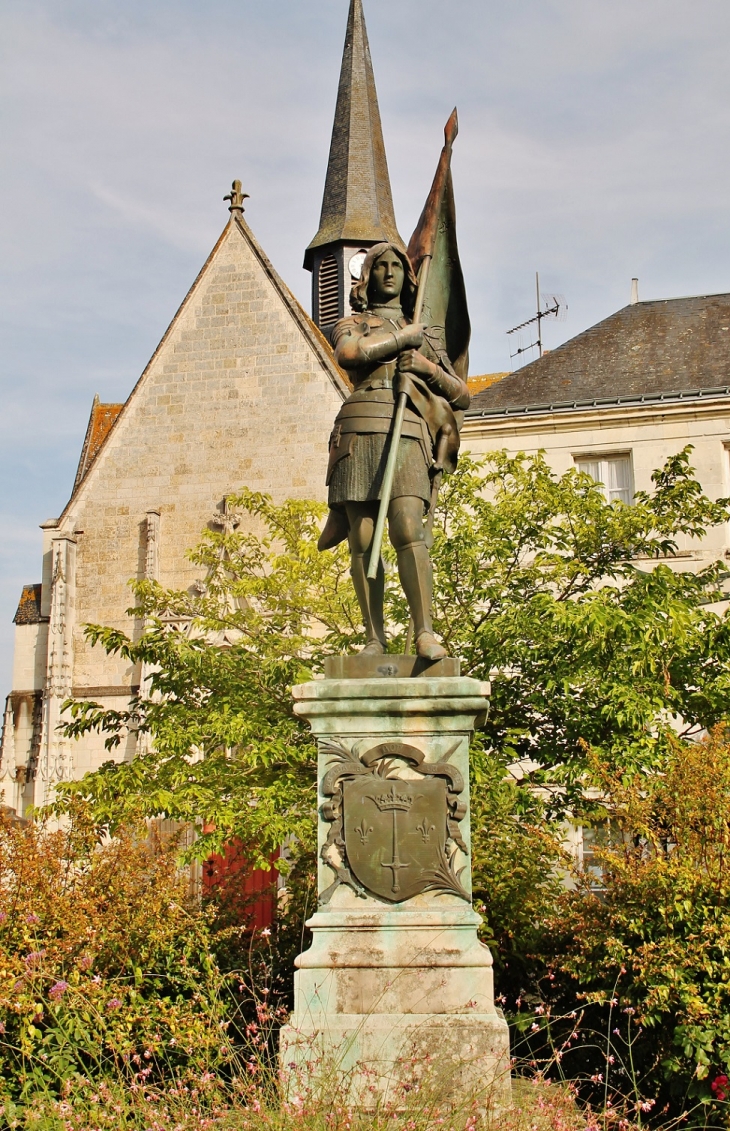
[377, 349]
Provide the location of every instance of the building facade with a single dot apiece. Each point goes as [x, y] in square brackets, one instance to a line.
[620, 398]
[243, 389]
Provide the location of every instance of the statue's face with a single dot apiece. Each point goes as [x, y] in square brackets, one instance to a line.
[386, 278]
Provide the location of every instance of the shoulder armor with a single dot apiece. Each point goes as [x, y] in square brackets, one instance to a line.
[355, 324]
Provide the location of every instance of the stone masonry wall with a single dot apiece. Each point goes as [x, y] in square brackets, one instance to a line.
[237, 394]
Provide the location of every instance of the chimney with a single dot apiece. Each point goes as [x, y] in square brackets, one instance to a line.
[634, 291]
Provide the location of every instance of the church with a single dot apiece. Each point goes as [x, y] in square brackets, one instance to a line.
[240, 353]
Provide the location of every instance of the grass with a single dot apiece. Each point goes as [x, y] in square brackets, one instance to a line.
[210, 1104]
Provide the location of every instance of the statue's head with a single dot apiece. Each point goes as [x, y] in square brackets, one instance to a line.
[386, 274]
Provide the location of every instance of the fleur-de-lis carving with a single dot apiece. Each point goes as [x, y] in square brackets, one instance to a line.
[363, 831]
[425, 830]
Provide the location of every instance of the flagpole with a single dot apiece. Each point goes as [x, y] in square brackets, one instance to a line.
[395, 435]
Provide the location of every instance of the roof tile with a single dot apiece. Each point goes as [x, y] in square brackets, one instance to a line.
[29, 608]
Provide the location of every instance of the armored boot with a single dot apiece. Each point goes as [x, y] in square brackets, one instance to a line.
[414, 568]
[370, 600]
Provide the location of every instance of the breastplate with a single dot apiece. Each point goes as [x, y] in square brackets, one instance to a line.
[381, 377]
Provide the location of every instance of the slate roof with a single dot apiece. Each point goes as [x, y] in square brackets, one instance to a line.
[357, 203]
[659, 350]
[100, 421]
[29, 609]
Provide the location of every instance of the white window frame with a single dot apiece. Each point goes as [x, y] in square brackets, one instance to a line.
[603, 476]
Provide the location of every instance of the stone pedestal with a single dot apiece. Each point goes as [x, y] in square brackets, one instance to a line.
[396, 984]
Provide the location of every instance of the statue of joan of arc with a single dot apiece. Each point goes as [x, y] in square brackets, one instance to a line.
[385, 353]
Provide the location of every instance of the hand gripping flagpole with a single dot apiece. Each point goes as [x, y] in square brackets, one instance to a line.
[400, 411]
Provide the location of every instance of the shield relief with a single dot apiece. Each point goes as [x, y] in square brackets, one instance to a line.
[395, 832]
[391, 836]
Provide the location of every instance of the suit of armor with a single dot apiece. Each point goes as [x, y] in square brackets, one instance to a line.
[359, 437]
[384, 354]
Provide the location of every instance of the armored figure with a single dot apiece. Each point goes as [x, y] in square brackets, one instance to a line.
[384, 353]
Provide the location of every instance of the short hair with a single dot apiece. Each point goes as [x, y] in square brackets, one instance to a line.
[359, 298]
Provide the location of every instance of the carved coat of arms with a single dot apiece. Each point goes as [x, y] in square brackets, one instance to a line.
[392, 836]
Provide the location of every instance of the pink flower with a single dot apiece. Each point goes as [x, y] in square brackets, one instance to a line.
[57, 990]
[115, 1003]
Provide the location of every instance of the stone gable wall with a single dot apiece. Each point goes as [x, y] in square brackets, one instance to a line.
[235, 396]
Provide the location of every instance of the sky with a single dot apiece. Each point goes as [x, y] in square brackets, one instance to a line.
[594, 146]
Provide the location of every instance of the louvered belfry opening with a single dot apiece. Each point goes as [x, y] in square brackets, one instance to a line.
[329, 291]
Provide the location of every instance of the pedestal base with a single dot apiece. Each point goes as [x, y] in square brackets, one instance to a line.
[461, 1062]
[385, 998]
[390, 992]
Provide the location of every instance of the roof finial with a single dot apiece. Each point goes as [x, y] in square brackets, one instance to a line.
[236, 198]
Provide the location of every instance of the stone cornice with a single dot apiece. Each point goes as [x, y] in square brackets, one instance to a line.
[572, 417]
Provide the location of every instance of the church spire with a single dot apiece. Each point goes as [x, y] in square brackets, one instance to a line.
[357, 208]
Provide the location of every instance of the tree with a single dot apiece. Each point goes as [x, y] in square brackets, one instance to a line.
[603, 673]
[640, 951]
[535, 584]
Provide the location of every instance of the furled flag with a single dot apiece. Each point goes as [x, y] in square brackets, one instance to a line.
[444, 308]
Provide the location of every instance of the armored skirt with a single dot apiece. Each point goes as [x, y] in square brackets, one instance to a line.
[360, 443]
[358, 478]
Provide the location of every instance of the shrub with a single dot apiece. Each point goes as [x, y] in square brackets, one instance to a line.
[106, 963]
[518, 860]
[643, 962]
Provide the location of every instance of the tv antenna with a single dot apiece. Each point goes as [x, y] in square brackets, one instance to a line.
[548, 306]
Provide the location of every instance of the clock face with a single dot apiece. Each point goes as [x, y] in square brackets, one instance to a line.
[355, 264]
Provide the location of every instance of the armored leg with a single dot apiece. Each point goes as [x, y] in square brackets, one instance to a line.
[408, 535]
[362, 517]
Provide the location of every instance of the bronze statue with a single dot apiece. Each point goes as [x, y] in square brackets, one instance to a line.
[385, 353]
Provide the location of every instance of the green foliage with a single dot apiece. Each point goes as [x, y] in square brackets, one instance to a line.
[534, 583]
[516, 862]
[594, 662]
[226, 747]
[651, 950]
[106, 963]
[537, 584]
